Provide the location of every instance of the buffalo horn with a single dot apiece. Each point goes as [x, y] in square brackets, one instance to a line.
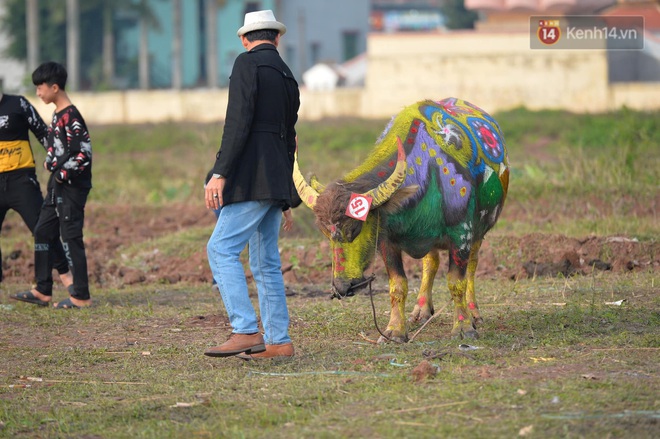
[384, 191]
[307, 193]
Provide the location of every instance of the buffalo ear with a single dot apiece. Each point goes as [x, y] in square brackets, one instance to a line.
[398, 199]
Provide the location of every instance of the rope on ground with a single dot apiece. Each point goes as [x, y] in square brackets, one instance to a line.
[429, 320]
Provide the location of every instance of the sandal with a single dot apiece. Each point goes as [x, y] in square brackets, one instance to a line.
[29, 297]
[66, 304]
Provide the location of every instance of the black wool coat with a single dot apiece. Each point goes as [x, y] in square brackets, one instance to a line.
[259, 139]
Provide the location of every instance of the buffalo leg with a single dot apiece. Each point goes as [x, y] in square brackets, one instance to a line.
[396, 328]
[424, 307]
[457, 284]
[470, 294]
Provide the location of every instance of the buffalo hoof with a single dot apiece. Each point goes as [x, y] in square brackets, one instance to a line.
[388, 337]
[420, 315]
[464, 330]
[460, 335]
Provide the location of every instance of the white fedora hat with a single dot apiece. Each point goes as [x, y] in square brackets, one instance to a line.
[261, 20]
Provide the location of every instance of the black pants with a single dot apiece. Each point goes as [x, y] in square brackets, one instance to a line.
[19, 190]
[62, 216]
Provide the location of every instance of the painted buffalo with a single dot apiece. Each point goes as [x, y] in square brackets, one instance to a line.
[436, 179]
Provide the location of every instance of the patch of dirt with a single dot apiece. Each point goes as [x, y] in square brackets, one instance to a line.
[110, 228]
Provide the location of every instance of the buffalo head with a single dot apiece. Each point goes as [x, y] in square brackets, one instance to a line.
[352, 241]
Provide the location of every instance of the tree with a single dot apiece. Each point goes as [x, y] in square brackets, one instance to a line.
[211, 60]
[211, 36]
[143, 55]
[43, 37]
[177, 42]
[32, 38]
[108, 44]
[146, 19]
[50, 33]
[73, 43]
[456, 16]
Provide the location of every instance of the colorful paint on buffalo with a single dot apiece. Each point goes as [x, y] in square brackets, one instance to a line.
[441, 173]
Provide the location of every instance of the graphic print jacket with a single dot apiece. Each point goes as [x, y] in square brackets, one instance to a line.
[17, 118]
[69, 150]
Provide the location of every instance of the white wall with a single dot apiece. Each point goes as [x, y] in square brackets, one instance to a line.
[492, 70]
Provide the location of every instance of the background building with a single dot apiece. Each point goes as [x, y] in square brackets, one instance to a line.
[169, 60]
[507, 15]
[405, 16]
[178, 44]
[322, 31]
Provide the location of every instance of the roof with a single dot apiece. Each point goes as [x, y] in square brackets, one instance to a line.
[545, 6]
[650, 12]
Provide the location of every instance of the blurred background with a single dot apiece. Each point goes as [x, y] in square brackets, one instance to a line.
[135, 61]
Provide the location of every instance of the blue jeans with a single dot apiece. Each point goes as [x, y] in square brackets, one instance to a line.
[256, 223]
[216, 212]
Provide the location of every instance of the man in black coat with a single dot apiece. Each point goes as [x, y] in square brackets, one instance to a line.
[252, 185]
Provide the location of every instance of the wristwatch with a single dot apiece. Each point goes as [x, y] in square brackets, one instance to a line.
[218, 176]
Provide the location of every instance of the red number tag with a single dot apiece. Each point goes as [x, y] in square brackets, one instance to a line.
[358, 207]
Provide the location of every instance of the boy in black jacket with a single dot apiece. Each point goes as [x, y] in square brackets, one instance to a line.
[69, 160]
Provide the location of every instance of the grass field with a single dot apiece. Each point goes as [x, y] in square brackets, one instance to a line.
[558, 357]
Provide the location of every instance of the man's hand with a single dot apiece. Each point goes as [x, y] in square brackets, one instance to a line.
[213, 193]
[288, 220]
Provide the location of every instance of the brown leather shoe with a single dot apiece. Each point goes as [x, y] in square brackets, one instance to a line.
[272, 351]
[238, 343]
